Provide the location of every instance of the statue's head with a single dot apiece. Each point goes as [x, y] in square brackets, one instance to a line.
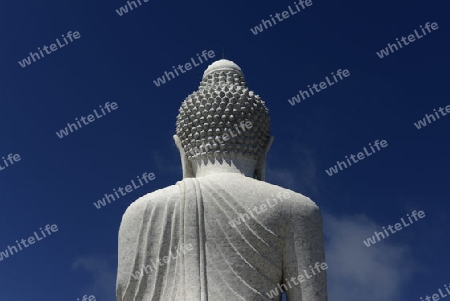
[223, 121]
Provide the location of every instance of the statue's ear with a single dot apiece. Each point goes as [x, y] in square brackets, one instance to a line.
[260, 171]
[185, 163]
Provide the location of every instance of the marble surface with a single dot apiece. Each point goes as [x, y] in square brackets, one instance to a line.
[271, 246]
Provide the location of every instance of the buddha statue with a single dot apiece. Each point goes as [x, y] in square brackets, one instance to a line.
[222, 232]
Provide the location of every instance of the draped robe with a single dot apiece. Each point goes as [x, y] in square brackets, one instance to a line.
[219, 259]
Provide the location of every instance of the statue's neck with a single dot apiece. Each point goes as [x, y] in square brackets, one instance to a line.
[243, 166]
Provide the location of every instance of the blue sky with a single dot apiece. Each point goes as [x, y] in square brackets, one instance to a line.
[117, 58]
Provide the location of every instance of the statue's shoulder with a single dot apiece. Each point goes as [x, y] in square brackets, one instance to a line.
[297, 199]
[291, 200]
[301, 205]
[153, 199]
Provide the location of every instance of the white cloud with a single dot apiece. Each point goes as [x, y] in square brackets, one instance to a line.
[357, 272]
[103, 274]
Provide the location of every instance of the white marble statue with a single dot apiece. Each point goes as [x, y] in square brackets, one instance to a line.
[222, 233]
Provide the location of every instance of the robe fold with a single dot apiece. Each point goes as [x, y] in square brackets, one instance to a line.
[201, 240]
